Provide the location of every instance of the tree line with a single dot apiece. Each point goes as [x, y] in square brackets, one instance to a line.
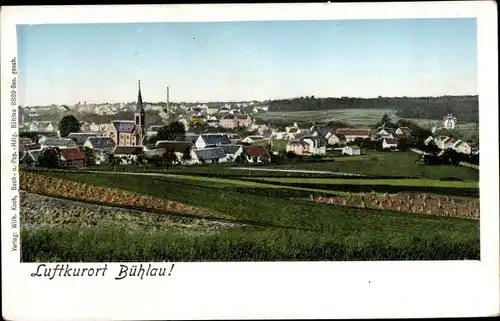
[464, 107]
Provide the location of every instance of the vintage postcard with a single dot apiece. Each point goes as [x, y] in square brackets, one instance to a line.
[250, 161]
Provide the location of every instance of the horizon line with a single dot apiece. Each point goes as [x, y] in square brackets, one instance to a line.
[264, 100]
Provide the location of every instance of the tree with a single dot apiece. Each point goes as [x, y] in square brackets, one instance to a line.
[68, 124]
[386, 120]
[186, 155]
[173, 131]
[241, 159]
[112, 160]
[49, 158]
[89, 156]
[169, 157]
[141, 157]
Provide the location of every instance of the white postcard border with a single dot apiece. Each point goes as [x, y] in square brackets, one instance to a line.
[265, 290]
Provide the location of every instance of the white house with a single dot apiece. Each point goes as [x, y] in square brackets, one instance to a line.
[336, 139]
[94, 127]
[461, 147]
[252, 139]
[351, 150]
[389, 143]
[386, 132]
[449, 121]
[212, 123]
[209, 140]
[443, 142]
[45, 126]
[232, 151]
[314, 146]
[428, 140]
[212, 110]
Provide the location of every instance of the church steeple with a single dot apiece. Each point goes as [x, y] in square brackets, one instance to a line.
[139, 107]
[140, 122]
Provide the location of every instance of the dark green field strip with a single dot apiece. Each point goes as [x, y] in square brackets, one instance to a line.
[397, 164]
[70, 244]
[270, 210]
[379, 188]
[178, 214]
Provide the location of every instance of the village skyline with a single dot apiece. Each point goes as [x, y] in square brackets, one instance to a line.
[247, 61]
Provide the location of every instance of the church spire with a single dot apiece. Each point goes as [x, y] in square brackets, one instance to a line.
[139, 106]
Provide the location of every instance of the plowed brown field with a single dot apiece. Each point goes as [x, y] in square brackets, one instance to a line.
[64, 188]
[410, 203]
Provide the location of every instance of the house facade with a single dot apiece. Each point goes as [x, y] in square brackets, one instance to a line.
[315, 146]
[461, 147]
[389, 143]
[336, 139]
[228, 122]
[243, 120]
[44, 126]
[403, 132]
[449, 121]
[297, 147]
[352, 150]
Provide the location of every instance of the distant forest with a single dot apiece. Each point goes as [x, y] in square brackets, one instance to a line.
[464, 107]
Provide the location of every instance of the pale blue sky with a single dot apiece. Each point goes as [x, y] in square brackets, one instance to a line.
[206, 61]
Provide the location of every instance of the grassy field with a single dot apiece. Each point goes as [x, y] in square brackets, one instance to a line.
[397, 164]
[359, 117]
[278, 145]
[285, 228]
[388, 164]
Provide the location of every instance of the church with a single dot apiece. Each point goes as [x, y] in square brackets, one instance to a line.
[130, 132]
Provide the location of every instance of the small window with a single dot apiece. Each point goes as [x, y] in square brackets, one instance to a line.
[136, 120]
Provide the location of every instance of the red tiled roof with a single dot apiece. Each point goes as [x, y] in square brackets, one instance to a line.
[353, 132]
[256, 151]
[71, 154]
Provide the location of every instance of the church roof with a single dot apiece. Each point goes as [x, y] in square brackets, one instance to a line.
[124, 126]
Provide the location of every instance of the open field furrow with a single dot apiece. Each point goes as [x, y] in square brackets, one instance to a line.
[40, 211]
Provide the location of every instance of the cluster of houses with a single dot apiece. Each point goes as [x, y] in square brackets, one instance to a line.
[202, 149]
[127, 139]
[313, 140]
